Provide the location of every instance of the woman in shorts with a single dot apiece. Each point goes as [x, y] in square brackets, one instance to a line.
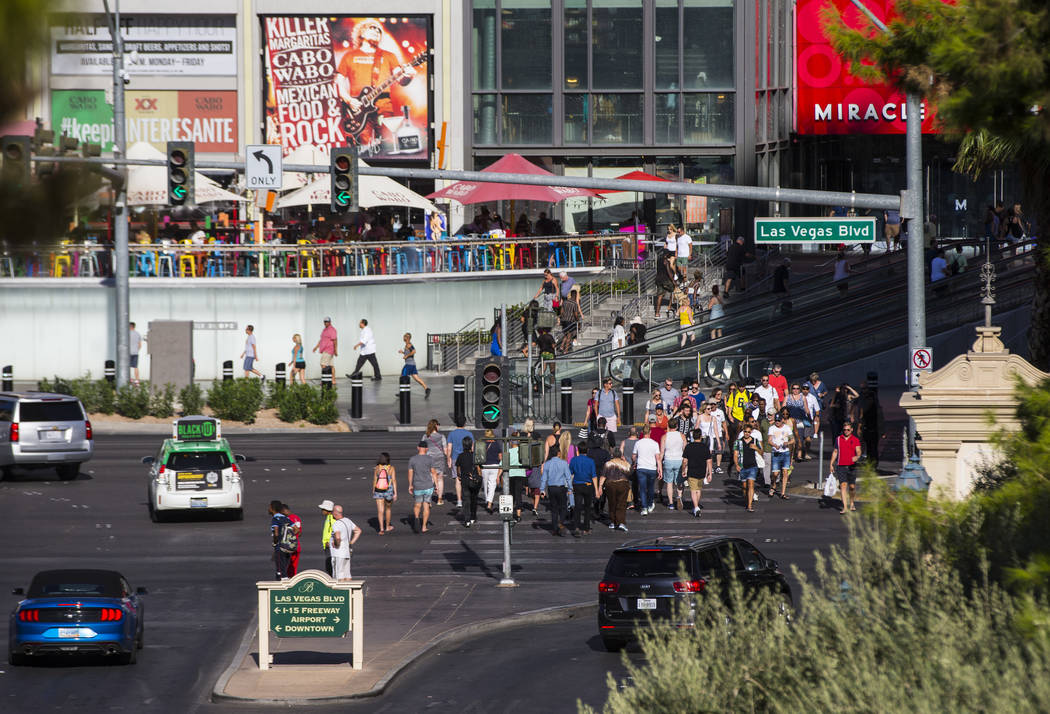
[408, 352]
[384, 491]
[298, 360]
[440, 453]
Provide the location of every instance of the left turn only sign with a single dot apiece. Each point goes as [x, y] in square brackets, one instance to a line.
[262, 166]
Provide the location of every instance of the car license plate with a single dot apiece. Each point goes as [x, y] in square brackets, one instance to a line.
[199, 502]
[646, 603]
[67, 632]
[54, 435]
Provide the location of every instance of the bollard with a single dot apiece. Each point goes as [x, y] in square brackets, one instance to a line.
[628, 402]
[326, 377]
[8, 378]
[405, 400]
[227, 370]
[459, 398]
[566, 401]
[110, 371]
[356, 398]
[279, 373]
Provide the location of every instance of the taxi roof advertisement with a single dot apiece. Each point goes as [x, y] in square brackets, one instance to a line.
[342, 81]
[828, 98]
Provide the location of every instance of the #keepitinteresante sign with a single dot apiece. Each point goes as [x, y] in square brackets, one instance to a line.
[815, 230]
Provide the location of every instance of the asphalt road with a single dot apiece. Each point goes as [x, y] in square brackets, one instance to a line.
[201, 572]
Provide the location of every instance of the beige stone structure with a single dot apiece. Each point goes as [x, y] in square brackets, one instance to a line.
[952, 405]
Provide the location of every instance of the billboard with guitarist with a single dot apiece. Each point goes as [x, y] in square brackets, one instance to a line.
[345, 81]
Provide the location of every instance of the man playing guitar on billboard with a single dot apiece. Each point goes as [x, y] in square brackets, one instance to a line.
[364, 67]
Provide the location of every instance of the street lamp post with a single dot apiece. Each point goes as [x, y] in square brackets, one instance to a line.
[120, 208]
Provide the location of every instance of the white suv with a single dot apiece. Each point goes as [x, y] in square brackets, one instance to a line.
[42, 430]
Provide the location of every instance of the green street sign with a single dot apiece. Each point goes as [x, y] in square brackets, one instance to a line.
[343, 197]
[179, 192]
[815, 230]
[490, 413]
[310, 609]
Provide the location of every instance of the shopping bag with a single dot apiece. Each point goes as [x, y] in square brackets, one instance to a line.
[831, 486]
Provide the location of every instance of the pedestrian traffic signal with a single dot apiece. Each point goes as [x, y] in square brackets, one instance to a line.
[491, 393]
[16, 151]
[344, 179]
[180, 173]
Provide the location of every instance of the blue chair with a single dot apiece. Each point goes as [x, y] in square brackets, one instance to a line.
[453, 256]
[146, 264]
[400, 262]
[559, 256]
[216, 265]
[575, 255]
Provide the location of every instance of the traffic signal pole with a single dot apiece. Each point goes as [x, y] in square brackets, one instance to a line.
[121, 267]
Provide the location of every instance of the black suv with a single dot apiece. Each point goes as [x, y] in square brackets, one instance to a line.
[642, 579]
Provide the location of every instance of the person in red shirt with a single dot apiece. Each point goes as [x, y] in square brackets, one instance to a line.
[778, 382]
[297, 523]
[844, 459]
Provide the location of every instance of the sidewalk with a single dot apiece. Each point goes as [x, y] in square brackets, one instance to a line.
[405, 616]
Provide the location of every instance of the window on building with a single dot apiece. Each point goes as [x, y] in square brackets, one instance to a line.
[617, 118]
[708, 118]
[527, 119]
[576, 67]
[616, 42]
[525, 35]
[707, 54]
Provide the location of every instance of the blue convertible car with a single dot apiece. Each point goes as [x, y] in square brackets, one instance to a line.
[76, 612]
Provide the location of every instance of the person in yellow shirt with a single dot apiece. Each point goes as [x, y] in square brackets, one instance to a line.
[326, 507]
[736, 401]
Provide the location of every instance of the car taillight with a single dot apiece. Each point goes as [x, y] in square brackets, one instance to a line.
[14, 432]
[111, 614]
[87, 429]
[29, 615]
[690, 586]
[604, 587]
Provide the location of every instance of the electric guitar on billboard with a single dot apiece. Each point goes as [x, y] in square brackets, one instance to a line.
[354, 122]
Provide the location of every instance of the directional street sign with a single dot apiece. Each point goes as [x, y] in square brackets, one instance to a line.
[815, 230]
[179, 192]
[310, 609]
[262, 166]
[491, 412]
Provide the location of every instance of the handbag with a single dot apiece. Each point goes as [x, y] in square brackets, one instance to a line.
[759, 461]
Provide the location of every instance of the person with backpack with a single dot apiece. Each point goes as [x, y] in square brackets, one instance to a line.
[467, 469]
[384, 491]
[297, 530]
[285, 540]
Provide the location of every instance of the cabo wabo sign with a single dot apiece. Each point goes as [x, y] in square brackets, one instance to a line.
[828, 98]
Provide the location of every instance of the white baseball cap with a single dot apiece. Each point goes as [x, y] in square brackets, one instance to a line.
[326, 505]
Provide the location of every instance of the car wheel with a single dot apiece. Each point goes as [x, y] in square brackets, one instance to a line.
[140, 641]
[157, 516]
[238, 515]
[6, 472]
[17, 659]
[68, 472]
[128, 657]
[612, 645]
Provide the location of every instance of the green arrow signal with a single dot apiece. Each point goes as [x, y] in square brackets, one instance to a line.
[178, 192]
[490, 413]
[343, 198]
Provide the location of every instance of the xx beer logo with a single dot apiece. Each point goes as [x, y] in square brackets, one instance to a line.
[146, 104]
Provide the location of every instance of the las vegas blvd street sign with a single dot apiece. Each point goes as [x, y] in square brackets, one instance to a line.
[310, 609]
[815, 230]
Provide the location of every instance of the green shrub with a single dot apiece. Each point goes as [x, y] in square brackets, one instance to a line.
[236, 399]
[192, 399]
[162, 401]
[275, 395]
[106, 394]
[133, 401]
[294, 402]
[322, 408]
[56, 386]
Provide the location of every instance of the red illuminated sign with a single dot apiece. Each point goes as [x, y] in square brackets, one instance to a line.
[828, 98]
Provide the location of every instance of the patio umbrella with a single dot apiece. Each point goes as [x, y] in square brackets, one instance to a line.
[372, 191]
[466, 192]
[148, 185]
[635, 176]
[302, 154]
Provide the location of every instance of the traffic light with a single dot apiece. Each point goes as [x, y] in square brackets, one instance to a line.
[344, 179]
[491, 393]
[180, 173]
[16, 151]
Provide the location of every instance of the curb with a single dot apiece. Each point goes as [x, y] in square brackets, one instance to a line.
[130, 429]
[457, 634]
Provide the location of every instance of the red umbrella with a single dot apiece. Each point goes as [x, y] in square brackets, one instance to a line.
[634, 176]
[478, 192]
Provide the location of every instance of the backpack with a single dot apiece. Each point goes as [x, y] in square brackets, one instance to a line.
[382, 480]
[288, 538]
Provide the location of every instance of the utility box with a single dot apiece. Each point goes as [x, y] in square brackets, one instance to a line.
[170, 352]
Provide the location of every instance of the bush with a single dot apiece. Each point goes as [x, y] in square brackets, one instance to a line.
[236, 399]
[888, 626]
[192, 399]
[162, 401]
[58, 386]
[322, 408]
[133, 401]
[276, 395]
[293, 402]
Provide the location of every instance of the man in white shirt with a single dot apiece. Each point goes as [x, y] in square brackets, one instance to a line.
[344, 534]
[781, 439]
[814, 410]
[684, 251]
[250, 354]
[366, 341]
[669, 395]
[134, 348]
[646, 457]
[769, 393]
